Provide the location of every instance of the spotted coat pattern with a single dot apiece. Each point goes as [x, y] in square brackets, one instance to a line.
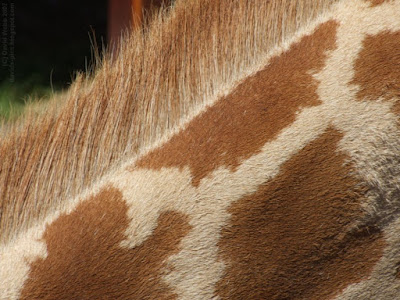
[284, 187]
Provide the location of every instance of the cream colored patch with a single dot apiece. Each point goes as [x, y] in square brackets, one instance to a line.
[372, 135]
[196, 269]
[364, 125]
[15, 259]
[372, 138]
[16, 256]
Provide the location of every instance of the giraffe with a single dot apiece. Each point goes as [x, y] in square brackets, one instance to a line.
[232, 150]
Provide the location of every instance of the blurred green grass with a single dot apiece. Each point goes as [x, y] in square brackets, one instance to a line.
[14, 96]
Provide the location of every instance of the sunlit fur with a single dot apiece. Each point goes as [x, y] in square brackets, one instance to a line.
[188, 57]
[229, 150]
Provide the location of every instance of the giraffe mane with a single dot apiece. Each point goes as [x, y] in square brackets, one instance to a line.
[190, 55]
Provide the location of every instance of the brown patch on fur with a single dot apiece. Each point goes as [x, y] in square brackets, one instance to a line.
[377, 68]
[291, 239]
[160, 74]
[85, 260]
[238, 125]
[376, 2]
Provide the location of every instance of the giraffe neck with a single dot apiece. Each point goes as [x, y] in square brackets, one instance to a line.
[292, 166]
[133, 102]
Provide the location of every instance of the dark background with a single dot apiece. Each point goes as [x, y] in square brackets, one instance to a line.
[51, 42]
[45, 42]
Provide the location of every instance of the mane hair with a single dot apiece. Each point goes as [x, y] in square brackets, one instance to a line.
[188, 56]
